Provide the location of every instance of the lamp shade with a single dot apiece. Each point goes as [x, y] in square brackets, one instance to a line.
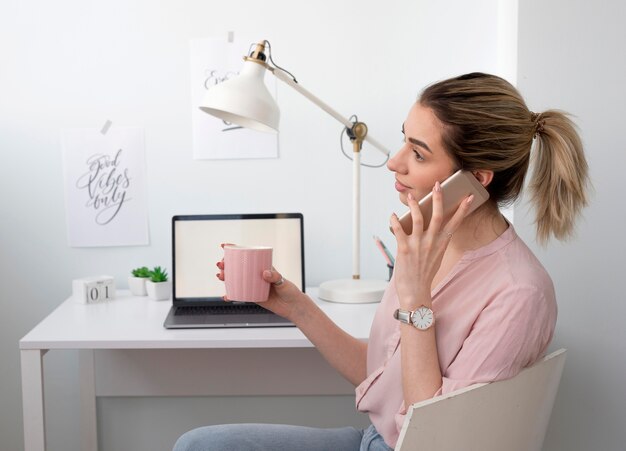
[244, 100]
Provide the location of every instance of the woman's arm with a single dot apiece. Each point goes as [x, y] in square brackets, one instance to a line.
[418, 260]
[344, 352]
[421, 375]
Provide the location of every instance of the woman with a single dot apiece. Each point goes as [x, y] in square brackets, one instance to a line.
[492, 301]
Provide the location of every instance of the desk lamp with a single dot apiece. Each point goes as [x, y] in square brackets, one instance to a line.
[245, 100]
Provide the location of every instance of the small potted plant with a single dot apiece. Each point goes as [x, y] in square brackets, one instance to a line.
[158, 287]
[137, 281]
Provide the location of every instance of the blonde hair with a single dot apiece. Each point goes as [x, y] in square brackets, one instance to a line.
[488, 126]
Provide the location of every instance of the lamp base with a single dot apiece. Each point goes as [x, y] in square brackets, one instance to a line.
[352, 291]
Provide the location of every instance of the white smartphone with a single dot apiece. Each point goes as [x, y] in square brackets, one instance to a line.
[455, 188]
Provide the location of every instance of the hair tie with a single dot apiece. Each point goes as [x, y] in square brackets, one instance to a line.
[539, 122]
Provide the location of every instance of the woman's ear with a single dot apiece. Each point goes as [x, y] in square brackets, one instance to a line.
[483, 176]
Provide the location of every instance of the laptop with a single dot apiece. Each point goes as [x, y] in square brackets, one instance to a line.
[196, 291]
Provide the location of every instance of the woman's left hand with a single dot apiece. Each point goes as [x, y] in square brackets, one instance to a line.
[420, 253]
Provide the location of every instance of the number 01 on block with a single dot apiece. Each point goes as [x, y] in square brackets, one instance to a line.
[90, 290]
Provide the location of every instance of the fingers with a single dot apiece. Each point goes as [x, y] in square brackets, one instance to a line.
[220, 276]
[416, 214]
[396, 228]
[417, 221]
[437, 225]
[460, 214]
[220, 265]
[273, 277]
[437, 216]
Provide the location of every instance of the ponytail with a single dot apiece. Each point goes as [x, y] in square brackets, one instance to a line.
[487, 125]
[560, 175]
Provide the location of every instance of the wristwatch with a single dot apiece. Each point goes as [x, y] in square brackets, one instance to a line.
[421, 318]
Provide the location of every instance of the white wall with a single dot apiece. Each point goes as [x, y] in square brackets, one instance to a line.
[74, 63]
[571, 57]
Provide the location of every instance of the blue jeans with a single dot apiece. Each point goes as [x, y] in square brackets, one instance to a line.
[278, 437]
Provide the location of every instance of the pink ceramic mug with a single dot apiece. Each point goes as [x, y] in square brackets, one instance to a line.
[243, 272]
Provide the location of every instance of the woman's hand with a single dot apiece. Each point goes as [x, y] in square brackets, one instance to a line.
[283, 298]
[344, 353]
[420, 253]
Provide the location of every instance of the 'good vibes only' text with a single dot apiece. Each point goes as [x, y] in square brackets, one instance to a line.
[107, 185]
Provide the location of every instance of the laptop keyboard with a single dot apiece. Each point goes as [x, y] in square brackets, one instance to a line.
[220, 309]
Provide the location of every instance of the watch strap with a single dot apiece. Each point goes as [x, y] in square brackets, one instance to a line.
[404, 316]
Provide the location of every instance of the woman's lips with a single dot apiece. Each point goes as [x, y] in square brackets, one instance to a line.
[400, 187]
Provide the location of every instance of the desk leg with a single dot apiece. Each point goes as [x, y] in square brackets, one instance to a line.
[33, 400]
[88, 418]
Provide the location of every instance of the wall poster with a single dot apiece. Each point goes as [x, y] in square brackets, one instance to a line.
[214, 60]
[105, 186]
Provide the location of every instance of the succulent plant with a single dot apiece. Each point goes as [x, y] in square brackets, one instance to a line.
[158, 275]
[143, 272]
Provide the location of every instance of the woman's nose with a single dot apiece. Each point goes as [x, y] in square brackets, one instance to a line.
[395, 163]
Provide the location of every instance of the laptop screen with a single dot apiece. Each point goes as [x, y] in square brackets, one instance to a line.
[196, 241]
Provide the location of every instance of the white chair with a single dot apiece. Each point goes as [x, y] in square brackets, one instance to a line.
[510, 415]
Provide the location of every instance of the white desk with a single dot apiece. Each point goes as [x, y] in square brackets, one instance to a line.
[125, 351]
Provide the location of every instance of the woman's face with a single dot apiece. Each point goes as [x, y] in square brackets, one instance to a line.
[422, 160]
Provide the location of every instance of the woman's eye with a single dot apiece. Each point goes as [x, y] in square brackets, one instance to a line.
[418, 155]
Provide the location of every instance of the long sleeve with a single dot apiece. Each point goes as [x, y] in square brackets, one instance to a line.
[495, 314]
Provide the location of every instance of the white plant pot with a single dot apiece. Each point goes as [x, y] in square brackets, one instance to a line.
[137, 285]
[159, 291]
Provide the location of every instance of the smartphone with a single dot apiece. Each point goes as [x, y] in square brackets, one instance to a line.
[455, 189]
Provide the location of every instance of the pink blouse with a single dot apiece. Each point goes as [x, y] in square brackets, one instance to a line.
[495, 314]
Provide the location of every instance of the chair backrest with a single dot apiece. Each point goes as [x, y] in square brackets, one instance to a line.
[510, 415]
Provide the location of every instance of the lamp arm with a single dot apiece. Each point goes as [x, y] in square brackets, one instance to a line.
[285, 78]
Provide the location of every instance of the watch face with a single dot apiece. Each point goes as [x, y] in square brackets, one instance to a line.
[422, 318]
